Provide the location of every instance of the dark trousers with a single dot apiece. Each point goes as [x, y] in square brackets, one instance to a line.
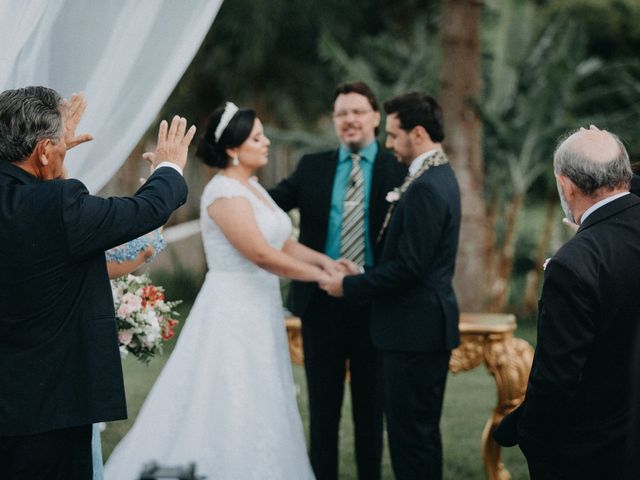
[332, 333]
[603, 464]
[414, 384]
[57, 455]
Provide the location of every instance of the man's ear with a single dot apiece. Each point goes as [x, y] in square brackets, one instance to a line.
[568, 187]
[42, 152]
[377, 117]
[420, 134]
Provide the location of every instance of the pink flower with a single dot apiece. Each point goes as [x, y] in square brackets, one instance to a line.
[124, 337]
[128, 304]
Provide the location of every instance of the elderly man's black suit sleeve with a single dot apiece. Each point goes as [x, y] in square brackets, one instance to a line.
[96, 224]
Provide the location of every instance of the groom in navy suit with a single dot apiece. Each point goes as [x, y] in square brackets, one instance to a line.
[60, 363]
[414, 314]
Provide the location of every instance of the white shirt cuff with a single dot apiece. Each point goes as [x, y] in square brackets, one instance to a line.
[171, 165]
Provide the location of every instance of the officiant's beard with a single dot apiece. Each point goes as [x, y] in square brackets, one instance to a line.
[564, 204]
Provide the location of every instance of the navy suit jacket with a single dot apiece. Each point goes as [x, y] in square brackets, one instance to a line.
[59, 359]
[414, 307]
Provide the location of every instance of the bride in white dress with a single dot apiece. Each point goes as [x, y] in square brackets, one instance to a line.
[226, 398]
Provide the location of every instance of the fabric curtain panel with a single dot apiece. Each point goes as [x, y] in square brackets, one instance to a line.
[126, 55]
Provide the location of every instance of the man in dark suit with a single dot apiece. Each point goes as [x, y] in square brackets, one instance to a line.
[341, 197]
[59, 353]
[576, 419]
[414, 309]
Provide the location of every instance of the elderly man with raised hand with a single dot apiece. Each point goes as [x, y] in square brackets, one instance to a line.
[575, 420]
[59, 353]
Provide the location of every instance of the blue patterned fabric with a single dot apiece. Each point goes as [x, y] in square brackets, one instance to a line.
[96, 448]
[130, 250]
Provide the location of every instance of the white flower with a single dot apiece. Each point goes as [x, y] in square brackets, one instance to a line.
[123, 351]
[393, 196]
[151, 335]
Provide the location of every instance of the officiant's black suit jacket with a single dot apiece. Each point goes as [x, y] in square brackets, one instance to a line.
[414, 307]
[577, 408]
[59, 359]
[309, 188]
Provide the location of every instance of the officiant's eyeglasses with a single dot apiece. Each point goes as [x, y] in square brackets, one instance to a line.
[340, 114]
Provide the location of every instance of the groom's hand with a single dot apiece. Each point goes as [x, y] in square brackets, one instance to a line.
[334, 286]
[173, 143]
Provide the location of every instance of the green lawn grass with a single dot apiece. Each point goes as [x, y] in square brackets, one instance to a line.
[469, 400]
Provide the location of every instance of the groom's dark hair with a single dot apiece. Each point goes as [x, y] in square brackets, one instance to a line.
[415, 108]
[28, 115]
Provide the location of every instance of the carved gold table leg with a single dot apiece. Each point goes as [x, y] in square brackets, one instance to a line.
[509, 360]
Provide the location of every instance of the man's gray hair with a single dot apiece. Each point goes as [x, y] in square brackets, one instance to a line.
[589, 175]
[28, 115]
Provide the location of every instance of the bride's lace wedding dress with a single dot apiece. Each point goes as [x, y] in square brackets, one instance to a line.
[226, 398]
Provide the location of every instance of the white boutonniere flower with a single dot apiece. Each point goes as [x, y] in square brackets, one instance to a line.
[393, 196]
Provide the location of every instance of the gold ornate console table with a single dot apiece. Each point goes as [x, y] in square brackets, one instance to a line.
[488, 339]
[484, 338]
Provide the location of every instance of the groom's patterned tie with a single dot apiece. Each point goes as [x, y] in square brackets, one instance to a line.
[352, 234]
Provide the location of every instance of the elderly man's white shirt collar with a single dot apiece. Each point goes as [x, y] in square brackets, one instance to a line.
[599, 204]
[419, 160]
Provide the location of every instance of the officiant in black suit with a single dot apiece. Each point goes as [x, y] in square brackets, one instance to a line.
[341, 196]
[59, 353]
[414, 309]
[576, 419]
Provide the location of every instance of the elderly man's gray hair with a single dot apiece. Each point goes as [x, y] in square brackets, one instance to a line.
[590, 175]
[28, 115]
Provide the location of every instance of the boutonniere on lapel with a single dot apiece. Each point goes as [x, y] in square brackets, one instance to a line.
[393, 196]
[438, 158]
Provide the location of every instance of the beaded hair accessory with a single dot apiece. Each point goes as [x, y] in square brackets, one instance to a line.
[230, 109]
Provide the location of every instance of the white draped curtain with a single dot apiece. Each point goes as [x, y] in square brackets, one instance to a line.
[126, 55]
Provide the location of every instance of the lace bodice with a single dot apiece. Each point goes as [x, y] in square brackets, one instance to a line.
[274, 224]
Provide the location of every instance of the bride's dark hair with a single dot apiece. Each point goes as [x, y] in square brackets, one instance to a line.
[237, 131]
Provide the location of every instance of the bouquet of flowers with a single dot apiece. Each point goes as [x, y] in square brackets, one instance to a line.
[144, 318]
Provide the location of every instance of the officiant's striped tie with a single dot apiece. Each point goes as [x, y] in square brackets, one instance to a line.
[352, 234]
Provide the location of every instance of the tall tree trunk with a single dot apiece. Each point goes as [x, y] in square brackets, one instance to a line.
[460, 84]
[502, 278]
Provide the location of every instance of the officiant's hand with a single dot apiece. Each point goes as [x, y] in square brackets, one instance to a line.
[334, 286]
[73, 111]
[173, 143]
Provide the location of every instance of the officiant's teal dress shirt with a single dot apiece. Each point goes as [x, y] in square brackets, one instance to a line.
[368, 155]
